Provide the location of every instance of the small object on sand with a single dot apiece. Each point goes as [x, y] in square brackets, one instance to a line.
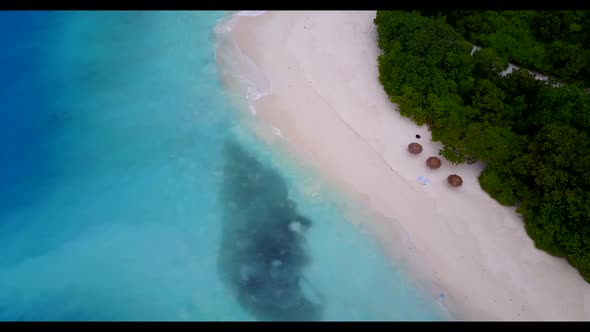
[455, 180]
[442, 295]
[422, 179]
[417, 136]
[414, 148]
[433, 162]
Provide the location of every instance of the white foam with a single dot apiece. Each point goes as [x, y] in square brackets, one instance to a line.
[255, 94]
[252, 109]
[225, 24]
[250, 13]
[235, 67]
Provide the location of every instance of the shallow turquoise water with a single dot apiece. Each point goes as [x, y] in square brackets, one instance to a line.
[113, 170]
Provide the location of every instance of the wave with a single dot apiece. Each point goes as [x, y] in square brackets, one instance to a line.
[243, 78]
[240, 74]
[250, 13]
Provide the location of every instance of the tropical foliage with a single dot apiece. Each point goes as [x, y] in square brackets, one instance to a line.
[553, 42]
[533, 136]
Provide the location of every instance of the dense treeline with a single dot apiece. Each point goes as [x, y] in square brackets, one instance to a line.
[532, 136]
[553, 42]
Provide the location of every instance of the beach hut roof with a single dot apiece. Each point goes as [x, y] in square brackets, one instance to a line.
[415, 148]
[433, 162]
[455, 180]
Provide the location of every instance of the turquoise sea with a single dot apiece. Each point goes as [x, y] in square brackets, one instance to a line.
[130, 190]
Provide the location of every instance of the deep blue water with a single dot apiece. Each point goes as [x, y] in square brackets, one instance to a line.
[116, 182]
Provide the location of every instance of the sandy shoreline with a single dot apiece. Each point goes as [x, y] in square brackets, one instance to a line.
[327, 101]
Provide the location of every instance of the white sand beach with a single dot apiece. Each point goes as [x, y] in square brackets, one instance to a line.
[326, 100]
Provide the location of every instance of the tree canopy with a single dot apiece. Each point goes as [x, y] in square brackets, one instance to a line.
[533, 136]
[553, 42]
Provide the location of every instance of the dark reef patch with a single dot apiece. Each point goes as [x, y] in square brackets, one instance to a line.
[263, 254]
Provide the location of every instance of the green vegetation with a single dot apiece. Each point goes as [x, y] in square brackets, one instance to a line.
[553, 42]
[532, 136]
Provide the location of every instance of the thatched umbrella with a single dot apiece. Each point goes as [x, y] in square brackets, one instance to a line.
[415, 148]
[433, 162]
[455, 180]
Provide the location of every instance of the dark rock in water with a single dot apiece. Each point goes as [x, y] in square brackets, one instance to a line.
[263, 254]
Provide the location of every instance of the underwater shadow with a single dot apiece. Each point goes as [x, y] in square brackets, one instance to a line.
[263, 254]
